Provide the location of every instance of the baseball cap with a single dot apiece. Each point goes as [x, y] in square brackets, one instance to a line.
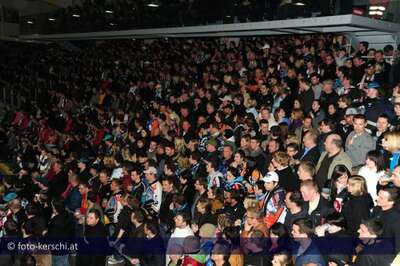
[374, 85]
[83, 160]
[10, 196]
[351, 111]
[271, 177]
[151, 170]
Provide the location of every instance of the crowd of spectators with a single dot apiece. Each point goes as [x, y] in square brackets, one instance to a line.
[250, 151]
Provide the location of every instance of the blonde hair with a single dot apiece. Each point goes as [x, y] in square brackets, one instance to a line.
[358, 185]
[281, 157]
[292, 138]
[393, 140]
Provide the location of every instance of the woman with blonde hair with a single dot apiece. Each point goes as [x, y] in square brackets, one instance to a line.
[391, 144]
[358, 205]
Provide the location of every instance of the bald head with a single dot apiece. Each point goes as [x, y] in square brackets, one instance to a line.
[333, 143]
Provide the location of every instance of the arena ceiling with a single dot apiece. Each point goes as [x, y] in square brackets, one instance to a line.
[332, 24]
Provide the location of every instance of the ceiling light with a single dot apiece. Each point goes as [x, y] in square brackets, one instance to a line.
[30, 22]
[227, 16]
[112, 24]
[381, 8]
[299, 4]
[52, 19]
[76, 15]
[373, 8]
[376, 13]
[152, 5]
[109, 11]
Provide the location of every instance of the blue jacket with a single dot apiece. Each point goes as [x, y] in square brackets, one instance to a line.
[311, 254]
[74, 199]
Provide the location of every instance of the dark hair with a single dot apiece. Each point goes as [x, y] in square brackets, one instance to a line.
[224, 248]
[241, 153]
[11, 228]
[32, 209]
[232, 234]
[92, 196]
[359, 116]
[96, 213]
[261, 185]
[185, 216]
[195, 156]
[393, 194]
[336, 218]
[152, 227]
[305, 225]
[296, 198]
[374, 226]
[378, 159]
[58, 205]
[293, 146]
[202, 182]
[385, 116]
[139, 215]
[330, 123]
[314, 74]
[280, 230]
[213, 164]
[338, 171]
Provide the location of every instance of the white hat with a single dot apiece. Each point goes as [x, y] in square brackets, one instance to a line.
[351, 111]
[266, 46]
[151, 170]
[117, 173]
[271, 177]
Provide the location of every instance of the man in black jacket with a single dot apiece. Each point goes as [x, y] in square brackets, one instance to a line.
[166, 215]
[95, 236]
[388, 214]
[61, 228]
[306, 95]
[59, 182]
[315, 205]
[375, 250]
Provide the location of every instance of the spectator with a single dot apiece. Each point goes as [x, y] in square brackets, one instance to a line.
[274, 200]
[310, 152]
[359, 142]
[359, 204]
[370, 230]
[288, 180]
[386, 213]
[316, 206]
[372, 171]
[307, 251]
